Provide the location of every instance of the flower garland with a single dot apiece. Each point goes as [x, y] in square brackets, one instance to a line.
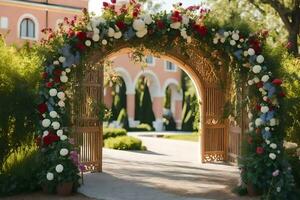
[128, 22]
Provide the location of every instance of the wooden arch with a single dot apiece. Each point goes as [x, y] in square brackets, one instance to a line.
[214, 131]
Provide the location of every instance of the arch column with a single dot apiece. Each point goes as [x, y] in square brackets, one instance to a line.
[157, 106]
[130, 96]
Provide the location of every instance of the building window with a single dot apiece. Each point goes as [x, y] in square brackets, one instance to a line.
[3, 22]
[27, 28]
[150, 60]
[170, 67]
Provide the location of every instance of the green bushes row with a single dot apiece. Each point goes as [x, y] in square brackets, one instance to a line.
[124, 143]
[141, 127]
[113, 132]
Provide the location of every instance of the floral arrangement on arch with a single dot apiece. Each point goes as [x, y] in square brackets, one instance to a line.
[264, 163]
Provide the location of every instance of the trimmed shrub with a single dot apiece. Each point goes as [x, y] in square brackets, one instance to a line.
[124, 143]
[113, 132]
[123, 119]
[141, 127]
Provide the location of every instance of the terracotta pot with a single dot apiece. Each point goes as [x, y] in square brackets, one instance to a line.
[64, 189]
[252, 191]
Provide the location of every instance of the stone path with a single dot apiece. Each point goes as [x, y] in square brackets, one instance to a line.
[169, 170]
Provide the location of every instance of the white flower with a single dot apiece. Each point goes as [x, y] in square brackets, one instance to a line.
[222, 40]
[256, 69]
[251, 52]
[147, 19]
[96, 31]
[185, 20]
[278, 189]
[89, 27]
[63, 79]
[53, 92]
[61, 104]
[272, 156]
[250, 82]
[250, 115]
[88, 43]
[141, 33]
[183, 33]
[265, 78]
[189, 39]
[232, 42]
[245, 53]
[290, 145]
[104, 42]
[50, 176]
[111, 32]
[56, 62]
[260, 59]
[267, 141]
[272, 122]
[216, 40]
[53, 114]
[265, 98]
[61, 95]
[267, 128]
[138, 25]
[68, 70]
[256, 80]
[258, 122]
[64, 152]
[59, 168]
[264, 109]
[226, 34]
[235, 36]
[55, 125]
[63, 73]
[273, 146]
[96, 37]
[118, 35]
[63, 137]
[175, 25]
[45, 133]
[62, 59]
[242, 40]
[59, 133]
[46, 123]
[250, 125]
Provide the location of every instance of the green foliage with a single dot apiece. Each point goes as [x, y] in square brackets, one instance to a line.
[293, 156]
[19, 77]
[123, 119]
[187, 137]
[141, 127]
[124, 143]
[113, 132]
[20, 171]
[119, 99]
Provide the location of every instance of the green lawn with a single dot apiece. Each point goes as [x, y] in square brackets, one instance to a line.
[188, 137]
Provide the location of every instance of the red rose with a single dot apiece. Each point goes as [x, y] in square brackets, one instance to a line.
[80, 46]
[255, 44]
[121, 25]
[259, 150]
[38, 141]
[277, 81]
[57, 79]
[202, 30]
[281, 94]
[44, 75]
[81, 35]
[49, 84]
[113, 1]
[42, 108]
[260, 84]
[57, 72]
[135, 13]
[258, 107]
[160, 24]
[71, 33]
[105, 4]
[50, 138]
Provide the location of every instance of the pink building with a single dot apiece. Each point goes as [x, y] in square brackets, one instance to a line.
[23, 20]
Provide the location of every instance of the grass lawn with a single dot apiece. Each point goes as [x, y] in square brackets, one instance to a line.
[188, 137]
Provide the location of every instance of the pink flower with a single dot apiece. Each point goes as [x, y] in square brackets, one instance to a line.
[275, 173]
[259, 150]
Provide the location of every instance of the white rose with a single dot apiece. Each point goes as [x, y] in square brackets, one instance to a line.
[118, 35]
[189, 39]
[250, 115]
[63, 137]
[222, 40]
[59, 133]
[245, 53]
[63, 73]
[250, 82]
[264, 109]
[59, 168]
[272, 156]
[96, 37]
[138, 25]
[260, 59]
[251, 52]
[147, 19]
[104, 42]
[68, 70]
[278, 189]
[258, 122]
[265, 98]
[111, 32]
[88, 43]
[55, 125]
[235, 36]
[63, 79]
[272, 122]
[64, 152]
[53, 92]
[226, 34]
[256, 80]
[61, 95]
[183, 33]
[45, 133]
[232, 42]
[141, 33]
[46, 123]
[56, 62]
[62, 59]
[265, 78]
[256, 69]
[185, 20]
[267, 141]
[50, 176]
[273, 146]
[267, 128]
[175, 25]
[53, 114]
[250, 125]
[96, 31]
[61, 104]
[216, 40]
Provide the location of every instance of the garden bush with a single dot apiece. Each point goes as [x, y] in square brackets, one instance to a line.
[141, 127]
[124, 143]
[20, 171]
[113, 132]
[293, 154]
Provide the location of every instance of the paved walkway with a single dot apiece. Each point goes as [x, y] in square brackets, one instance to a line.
[169, 170]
